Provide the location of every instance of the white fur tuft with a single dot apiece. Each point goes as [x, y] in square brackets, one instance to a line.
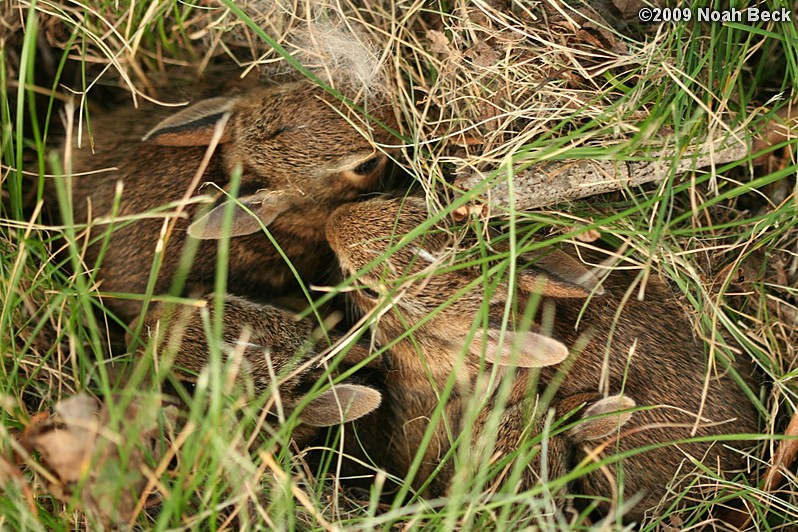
[342, 56]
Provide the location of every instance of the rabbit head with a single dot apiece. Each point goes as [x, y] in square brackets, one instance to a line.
[277, 352]
[295, 146]
[299, 151]
[378, 243]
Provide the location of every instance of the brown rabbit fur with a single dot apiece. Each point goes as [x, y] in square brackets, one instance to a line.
[300, 158]
[272, 343]
[653, 357]
[291, 348]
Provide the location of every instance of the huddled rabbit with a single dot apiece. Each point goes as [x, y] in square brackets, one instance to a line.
[426, 310]
[274, 344]
[299, 151]
[278, 354]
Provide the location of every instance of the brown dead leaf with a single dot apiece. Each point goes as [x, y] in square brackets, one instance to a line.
[482, 55]
[468, 140]
[592, 38]
[779, 267]
[98, 462]
[583, 235]
[628, 9]
[780, 129]
[465, 211]
[438, 43]
[743, 275]
[785, 456]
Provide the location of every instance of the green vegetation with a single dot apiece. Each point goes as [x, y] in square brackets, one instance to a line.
[726, 237]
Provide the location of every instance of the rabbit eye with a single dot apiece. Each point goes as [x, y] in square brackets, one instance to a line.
[367, 166]
[369, 293]
[278, 131]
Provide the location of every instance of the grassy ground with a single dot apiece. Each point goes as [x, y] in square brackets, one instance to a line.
[476, 89]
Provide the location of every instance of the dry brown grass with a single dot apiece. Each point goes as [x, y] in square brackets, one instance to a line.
[478, 88]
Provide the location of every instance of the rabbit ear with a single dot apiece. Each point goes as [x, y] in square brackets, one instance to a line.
[559, 275]
[547, 285]
[339, 404]
[524, 350]
[609, 422]
[267, 208]
[194, 125]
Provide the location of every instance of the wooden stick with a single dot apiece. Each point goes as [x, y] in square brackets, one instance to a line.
[553, 182]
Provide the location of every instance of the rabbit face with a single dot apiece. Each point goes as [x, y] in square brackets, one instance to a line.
[294, 145]
[442, 304]
[362, 233]
[299, 139]
[409, 277]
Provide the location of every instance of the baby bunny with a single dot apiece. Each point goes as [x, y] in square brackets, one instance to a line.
[644, 350]
[272, 345]
[299, 156]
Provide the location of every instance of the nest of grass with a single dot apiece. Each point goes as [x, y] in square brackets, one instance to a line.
[475, 87]
[478, 89]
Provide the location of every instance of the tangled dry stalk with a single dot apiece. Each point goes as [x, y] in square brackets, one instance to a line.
[510, 94]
